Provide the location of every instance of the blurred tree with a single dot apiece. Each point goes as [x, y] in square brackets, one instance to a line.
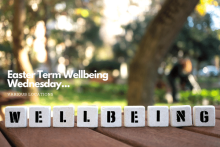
[103, 65]
[41, 10]
[152, 49]
[85, 15]
[5, 34]
[81, 42]
[126, 45]
[201, 7]
[197, 40]
[20, 53]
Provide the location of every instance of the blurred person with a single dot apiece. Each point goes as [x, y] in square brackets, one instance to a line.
[180, 70]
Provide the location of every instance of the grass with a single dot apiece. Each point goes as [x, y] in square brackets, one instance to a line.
[210, 79]
[86, 98]
[79, 94]
[166, 104]
[76, 96]
[83, 98]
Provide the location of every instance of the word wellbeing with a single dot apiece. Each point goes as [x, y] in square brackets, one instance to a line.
[111, 116]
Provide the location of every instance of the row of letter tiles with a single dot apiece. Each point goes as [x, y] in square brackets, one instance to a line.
[134, 116]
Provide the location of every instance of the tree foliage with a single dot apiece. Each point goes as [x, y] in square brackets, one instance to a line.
[196, 39]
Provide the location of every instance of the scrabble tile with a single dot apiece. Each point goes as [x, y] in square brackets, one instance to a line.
[180, 116]
[158, 116]
[111, 116]
[134, 116]
[15, 116]
[204, 116]
[63, 116]
[39, 116]
[87, 116]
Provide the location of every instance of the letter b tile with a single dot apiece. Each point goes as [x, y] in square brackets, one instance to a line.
[204, 116]
[180, 116]
[15, 116]
[111, 116]
[134, 116]
[39, 116]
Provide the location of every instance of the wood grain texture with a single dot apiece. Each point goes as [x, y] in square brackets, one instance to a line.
[217, 113]
[11, 137]
[57, 137]
[217, 107]
[155, 136]
[211, 131]
[158, 137]
[3, 141]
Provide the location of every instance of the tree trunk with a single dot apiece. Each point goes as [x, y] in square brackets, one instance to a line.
[154, 45]
[49, 64]
[20, 53]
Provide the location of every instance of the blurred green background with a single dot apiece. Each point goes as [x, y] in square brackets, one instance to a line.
[103, 35]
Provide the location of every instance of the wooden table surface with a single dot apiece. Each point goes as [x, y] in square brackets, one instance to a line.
[119, 137]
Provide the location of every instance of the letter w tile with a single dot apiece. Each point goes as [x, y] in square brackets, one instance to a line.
[14, 117]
